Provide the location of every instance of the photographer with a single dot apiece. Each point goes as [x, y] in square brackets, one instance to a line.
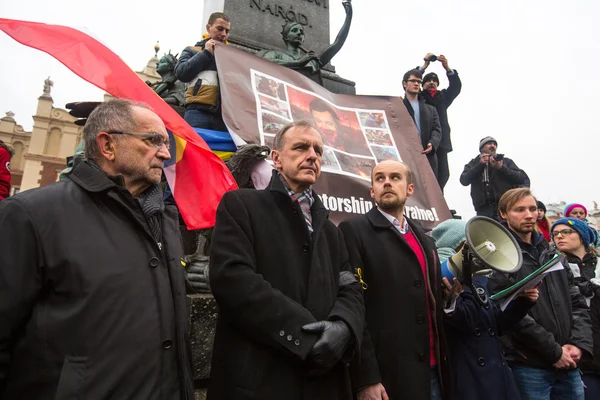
[441, 100]
[490, 176]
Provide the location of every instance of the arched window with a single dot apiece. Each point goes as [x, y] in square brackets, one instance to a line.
[53, 142]
[16, 163]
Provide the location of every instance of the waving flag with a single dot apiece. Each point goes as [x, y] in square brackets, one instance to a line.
[198, 178]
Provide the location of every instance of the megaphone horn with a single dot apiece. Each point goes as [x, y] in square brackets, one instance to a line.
[489, 246]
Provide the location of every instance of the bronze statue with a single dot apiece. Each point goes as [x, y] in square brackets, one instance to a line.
[169, 88]
[307, 62]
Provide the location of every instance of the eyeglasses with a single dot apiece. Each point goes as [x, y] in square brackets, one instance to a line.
[153, 138]
[415, 81]
[564, 232]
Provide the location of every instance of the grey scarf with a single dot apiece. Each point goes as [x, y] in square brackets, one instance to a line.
[153, 206]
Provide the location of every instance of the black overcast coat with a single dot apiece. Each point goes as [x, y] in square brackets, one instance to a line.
[395, 348]
[90, 306]
[269, 279]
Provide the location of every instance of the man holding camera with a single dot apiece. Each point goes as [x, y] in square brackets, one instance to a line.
[490, 176]
[441, 100]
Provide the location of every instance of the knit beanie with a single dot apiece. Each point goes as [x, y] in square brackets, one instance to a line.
[588, 235]
[486, 140]
[570, 208]
[432, 76]
[448, 236]
[541, 206]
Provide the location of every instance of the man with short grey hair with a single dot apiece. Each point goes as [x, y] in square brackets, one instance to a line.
[291, 312]
[91, 290]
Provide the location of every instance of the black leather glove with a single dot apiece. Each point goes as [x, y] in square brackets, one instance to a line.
[196, 274]
[331, 345]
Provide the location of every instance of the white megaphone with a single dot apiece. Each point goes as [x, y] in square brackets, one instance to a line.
[489, 246]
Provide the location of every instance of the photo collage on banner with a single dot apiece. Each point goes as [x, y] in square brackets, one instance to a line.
[355, 139]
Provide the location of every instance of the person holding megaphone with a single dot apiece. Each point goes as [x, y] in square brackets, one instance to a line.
[472, 322]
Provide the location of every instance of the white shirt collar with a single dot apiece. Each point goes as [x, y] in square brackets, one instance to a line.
[402, 229]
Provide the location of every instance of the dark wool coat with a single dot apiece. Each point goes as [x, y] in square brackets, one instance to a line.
[559, 317]
[90, 306]
[431, 130]
[395, 348]
[441, 101]
[479, 368]
[269, 278]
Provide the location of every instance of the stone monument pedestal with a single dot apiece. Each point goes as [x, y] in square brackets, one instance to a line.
[203, 320]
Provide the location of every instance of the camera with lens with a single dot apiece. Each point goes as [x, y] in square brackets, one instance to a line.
[432, 58]
[498, 157]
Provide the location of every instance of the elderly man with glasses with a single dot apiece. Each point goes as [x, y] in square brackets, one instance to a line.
[424, 116]
[92, 295]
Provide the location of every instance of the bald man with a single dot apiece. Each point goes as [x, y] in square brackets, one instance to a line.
[403, 354]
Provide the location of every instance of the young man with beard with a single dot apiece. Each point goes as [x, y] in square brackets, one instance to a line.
[197, 68]
[291, 311]
[404, 353]
[424, 116]
[543, 349]
[441, 100]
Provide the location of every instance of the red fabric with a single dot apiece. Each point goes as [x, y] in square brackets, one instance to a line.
[543, 228]
[207, 179]
[416, 248]
[4, 173]
[433, 92]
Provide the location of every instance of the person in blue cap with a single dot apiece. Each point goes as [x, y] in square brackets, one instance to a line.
[473, 329]
[575, 240]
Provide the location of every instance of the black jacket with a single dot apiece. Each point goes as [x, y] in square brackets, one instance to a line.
[431, 130]
[587, 270]
[90, 306]
[269, 278]
[500, 180]
[559, 317]
[441, 101]
[396, 348]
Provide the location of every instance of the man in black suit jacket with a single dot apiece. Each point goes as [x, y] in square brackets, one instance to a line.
[425, 117]
[291, 311]
[403, 352]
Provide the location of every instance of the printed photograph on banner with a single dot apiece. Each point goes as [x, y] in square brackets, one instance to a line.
[267, 140]
[379, 137]
[373, 119]
[359, 166]
[270, 87]
[338, 127]
[385, 153]
[271, 124]
[329, 162]
[275, 106]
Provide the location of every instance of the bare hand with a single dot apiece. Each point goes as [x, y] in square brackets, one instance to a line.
[574, 352]
[496, 164]
[444, 61]
[373, 392]
[428, 149]
[458, 289]
[565, 360]
[426, 59]
[210, 46]
[530, 294]
[484, 159]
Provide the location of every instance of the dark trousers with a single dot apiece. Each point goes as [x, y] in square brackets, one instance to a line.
[433, 161]
[204, 119]
[490, 211]
[592, 386]
[443, 168]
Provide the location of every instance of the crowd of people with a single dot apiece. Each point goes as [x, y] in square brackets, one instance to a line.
[93, 301]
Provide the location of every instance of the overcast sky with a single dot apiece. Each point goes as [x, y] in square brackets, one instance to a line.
[529, 71]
